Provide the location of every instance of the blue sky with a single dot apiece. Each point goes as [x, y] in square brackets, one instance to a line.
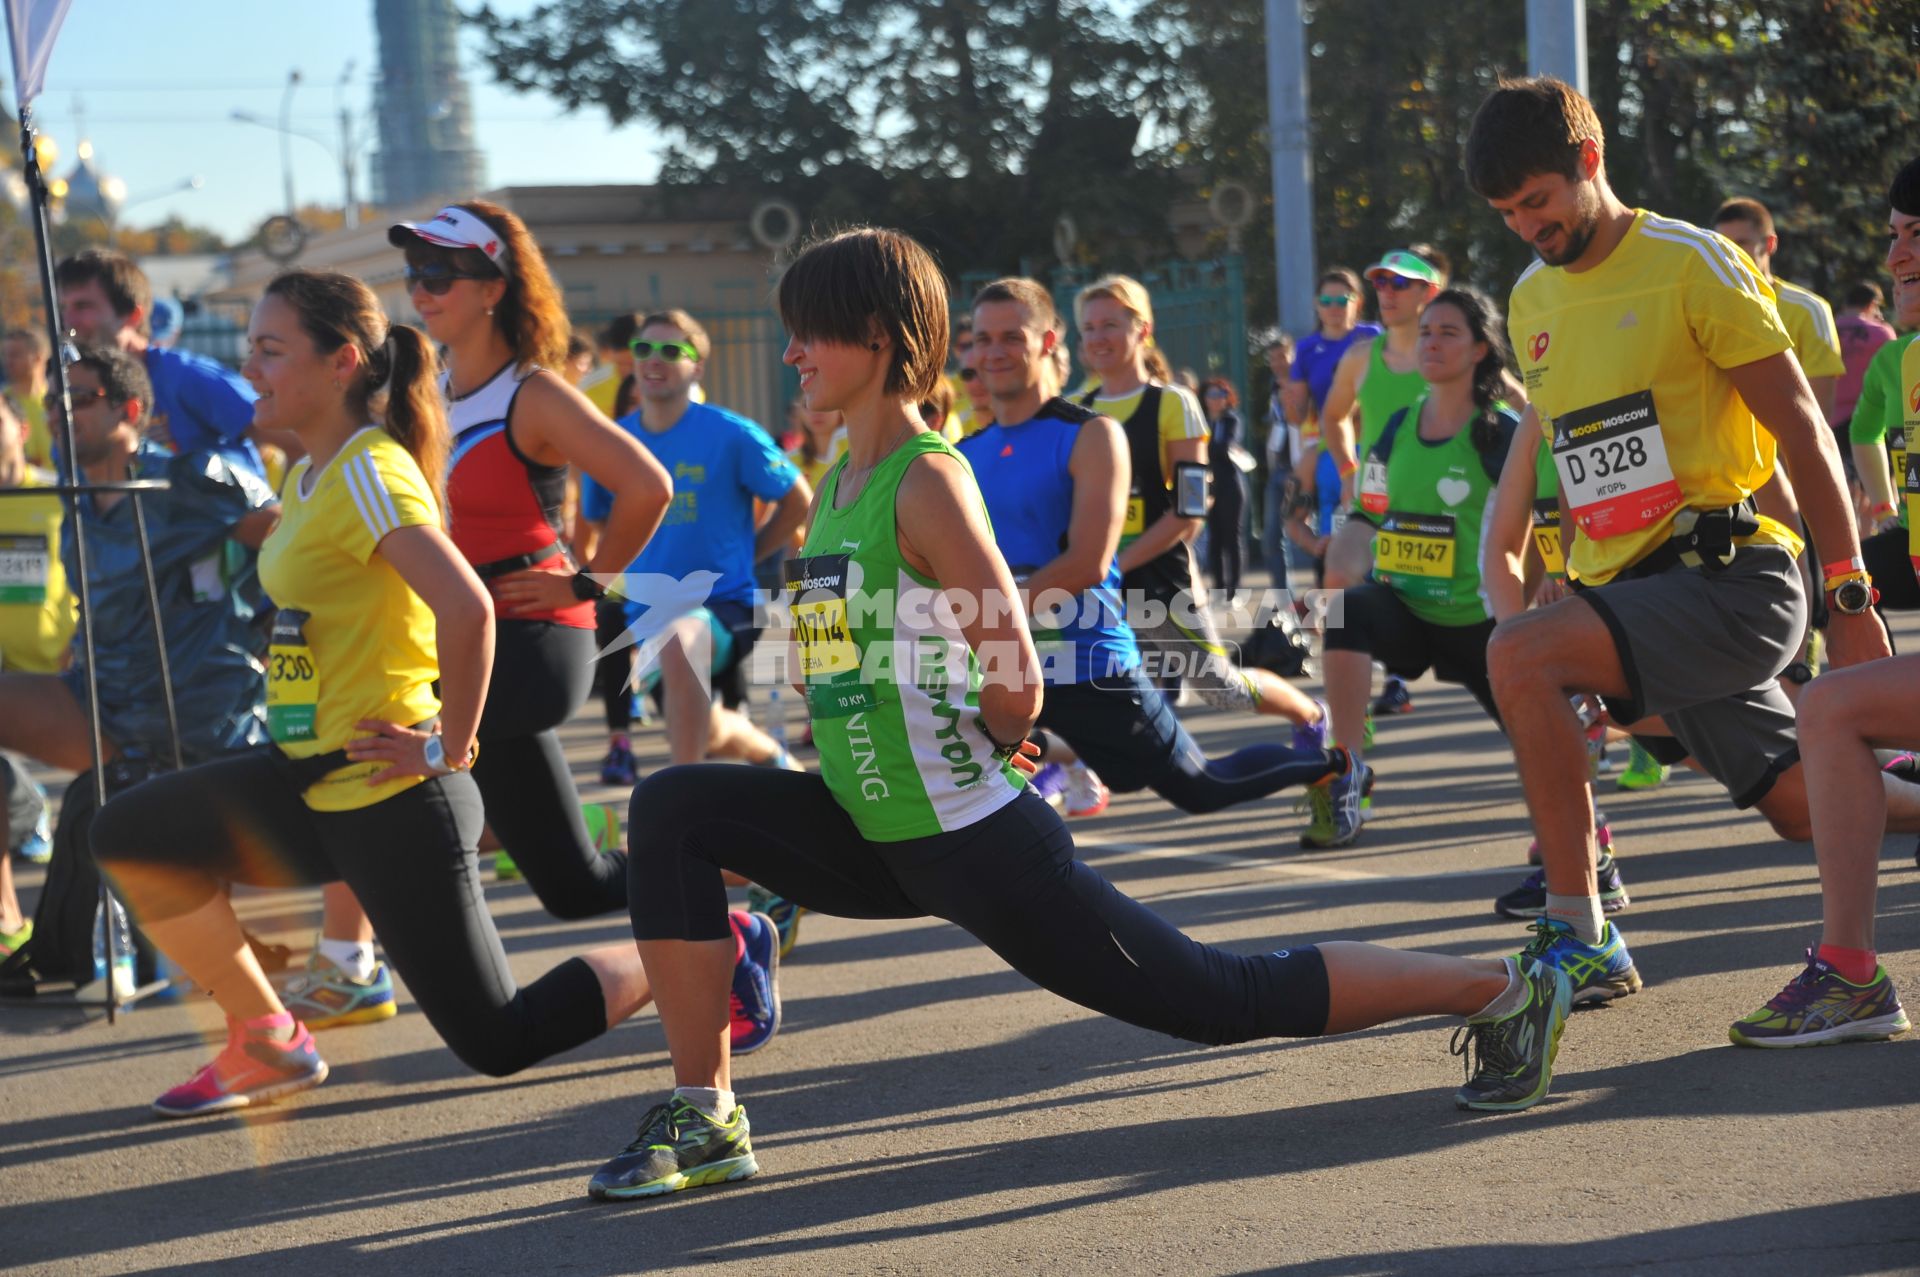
[156, 84]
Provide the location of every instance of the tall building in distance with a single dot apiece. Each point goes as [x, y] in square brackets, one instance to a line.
[425, 114]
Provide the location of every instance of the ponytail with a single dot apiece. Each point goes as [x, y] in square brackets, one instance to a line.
[1158, 369]
[414, 413]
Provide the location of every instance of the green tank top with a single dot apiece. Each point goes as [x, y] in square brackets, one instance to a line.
[892, 687]
[1383, 393]
[1439, 497]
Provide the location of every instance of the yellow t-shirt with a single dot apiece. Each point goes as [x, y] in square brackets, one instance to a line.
[1809, 321]
[973, 420]
[814, 471]
[37, 614]
[351, 640]
[33, 411]
[1909, 483]
[602, 387]
[1624, 365]
[1180, 418]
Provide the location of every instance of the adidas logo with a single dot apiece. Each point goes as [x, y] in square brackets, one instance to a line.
[1628, 320]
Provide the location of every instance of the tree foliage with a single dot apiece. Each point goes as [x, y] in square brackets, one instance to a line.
[974, 123]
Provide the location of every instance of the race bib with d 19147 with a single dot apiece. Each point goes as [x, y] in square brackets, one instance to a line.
[1612, 461]
[293, 679]
[1417, 545]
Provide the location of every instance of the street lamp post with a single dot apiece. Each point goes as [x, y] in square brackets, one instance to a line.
[286, 134]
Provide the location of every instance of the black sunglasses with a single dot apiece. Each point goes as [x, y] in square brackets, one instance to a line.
[438, 283]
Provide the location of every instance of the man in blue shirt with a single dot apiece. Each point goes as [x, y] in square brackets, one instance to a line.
[693, 584]
[106, 300]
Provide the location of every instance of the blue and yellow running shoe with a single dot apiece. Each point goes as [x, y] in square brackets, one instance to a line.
[325, 997]
[1820, 1006]
[677, 1147]
[1599, 973]
[785, 915]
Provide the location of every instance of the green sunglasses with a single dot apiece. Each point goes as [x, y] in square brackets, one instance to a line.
[1333, 299]
[671, 351]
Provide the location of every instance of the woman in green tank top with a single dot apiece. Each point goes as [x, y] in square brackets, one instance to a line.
[913, 650]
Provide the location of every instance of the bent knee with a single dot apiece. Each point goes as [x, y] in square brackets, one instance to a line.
[492, 1059]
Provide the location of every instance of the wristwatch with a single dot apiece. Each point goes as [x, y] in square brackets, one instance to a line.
[435, 751]
[585, 587]
[1854, 595]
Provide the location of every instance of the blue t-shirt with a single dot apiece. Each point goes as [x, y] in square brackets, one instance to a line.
[207, 583]
[202, 404]
[1317, 356]
[1023, 477]
[720, 462]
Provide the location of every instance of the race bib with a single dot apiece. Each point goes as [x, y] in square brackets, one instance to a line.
[1373, 485]
[1415, 545]
[1546, 535]
[1613, 466]
[1136, 517]
[817, 589]
[1912, 495]
[293, 679]
[25, 561]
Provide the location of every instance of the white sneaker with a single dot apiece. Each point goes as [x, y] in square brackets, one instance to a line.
[1086, 795]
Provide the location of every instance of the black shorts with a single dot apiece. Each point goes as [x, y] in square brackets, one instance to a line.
[1890, 567]
[1379, 623]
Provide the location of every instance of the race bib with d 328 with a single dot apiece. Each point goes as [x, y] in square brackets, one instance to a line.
[1613, 466]
[293, 679]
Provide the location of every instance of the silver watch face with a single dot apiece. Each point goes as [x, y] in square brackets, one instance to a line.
[1852, 597]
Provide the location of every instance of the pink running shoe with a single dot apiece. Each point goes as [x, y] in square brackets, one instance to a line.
[1087, 794]
[250, 1070]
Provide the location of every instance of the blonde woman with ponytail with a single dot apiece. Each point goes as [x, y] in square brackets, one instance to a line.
[377, 671]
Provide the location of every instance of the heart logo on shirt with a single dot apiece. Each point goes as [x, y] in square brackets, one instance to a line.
[1453, 491]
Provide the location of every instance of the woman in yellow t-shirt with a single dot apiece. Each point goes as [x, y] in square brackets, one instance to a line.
[367, 780]
[36, 608]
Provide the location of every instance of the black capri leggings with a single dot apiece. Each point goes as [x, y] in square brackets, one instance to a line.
[542, 673]
[1123, 728]
[410, 859]
[1011, 880]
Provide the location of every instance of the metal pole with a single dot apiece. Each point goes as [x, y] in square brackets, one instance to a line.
[1557, 40]
[70, 475]
[286, 136]
[346, 167]
[1290, 135]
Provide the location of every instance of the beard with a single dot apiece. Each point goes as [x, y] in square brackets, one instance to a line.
[1578, 232]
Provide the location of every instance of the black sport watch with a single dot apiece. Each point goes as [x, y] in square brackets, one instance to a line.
[585, 587]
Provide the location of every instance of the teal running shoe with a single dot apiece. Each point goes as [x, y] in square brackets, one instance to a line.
[1509, 1061]
[325, 997]
[1820, 1006]
[1599, 973]
[785, 915]
[677, 1147]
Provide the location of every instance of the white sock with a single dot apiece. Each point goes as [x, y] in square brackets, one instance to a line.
[1582, 913]
[714, 1102]
[352, 957]
[1509, 1000]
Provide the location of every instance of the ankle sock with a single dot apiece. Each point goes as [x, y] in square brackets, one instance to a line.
[1507, 1001]
[1854, 965]
[352, 957]
[714, 1102]
[273, 1028]
[1581, 913]
[620, 741]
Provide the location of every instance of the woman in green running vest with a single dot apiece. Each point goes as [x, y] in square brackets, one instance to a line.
[921, 676]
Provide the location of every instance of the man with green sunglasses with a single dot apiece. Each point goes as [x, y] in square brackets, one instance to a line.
[721, 464]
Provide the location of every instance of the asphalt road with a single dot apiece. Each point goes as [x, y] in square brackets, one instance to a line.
[925, 1110]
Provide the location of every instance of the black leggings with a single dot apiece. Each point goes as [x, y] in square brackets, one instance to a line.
[410, 859]
[1011, 880]
[1124, 729]
[542, 673]
[614, 672]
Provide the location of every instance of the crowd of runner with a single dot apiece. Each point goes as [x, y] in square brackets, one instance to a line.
[1646, 501]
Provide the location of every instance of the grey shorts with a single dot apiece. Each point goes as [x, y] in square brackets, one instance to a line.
[26, 805]
[1703, 650]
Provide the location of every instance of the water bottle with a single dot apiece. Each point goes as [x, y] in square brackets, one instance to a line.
[123, 984]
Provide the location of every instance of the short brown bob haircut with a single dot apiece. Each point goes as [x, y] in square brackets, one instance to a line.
[850, 287]
[1527, 128]
[1742, 208]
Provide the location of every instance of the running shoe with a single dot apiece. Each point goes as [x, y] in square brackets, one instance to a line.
[251, 1070]
[1050, 782]
[1599, 973]
[1820, 1006]
[1529, 899]
[10, 941]
[785, 915]
[754, 1002]
[1907, 768]
[1337, 806]
[1644, 771]
[37, 847]
[1313, 738]
[325, 997]
[603, 826]
[1087, 795]
[1366, 732]
[1509, 1061]
[678, 1147]
[1602, 835]
[1394, 698]
[617, 768]
[504, 868]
